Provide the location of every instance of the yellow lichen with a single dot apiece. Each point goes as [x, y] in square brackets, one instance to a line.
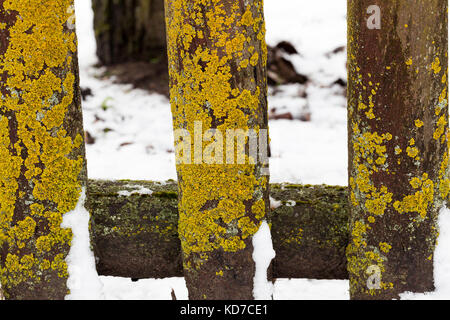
[38, 94]
[436, 65]
[412, 152]
[219, 273]
[366, 146]
[222, 205]
[294, 236]
[385, 247]
[419, 201]
[440, 127]
[444, 179]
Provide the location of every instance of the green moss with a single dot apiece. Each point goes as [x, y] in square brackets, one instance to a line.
[166, 194]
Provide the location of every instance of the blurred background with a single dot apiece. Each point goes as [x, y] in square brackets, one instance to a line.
[123, 68]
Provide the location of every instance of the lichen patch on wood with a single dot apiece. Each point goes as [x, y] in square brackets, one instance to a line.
[42, 167]
[398, 145]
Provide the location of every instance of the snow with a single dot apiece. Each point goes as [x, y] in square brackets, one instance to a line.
[134, 140]
[274, 203]
[263, 254]
[139, 190]
[290, 203]
[318, 154]
[310, 289]
[145, 289]
[83, 282]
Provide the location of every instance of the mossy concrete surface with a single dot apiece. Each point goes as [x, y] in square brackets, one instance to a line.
[136, 234]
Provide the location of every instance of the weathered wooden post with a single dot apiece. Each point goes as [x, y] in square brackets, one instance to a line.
[398, 143]
[42, 166]
[217, 66]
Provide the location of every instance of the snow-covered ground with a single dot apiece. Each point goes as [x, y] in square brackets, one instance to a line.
[133, 132]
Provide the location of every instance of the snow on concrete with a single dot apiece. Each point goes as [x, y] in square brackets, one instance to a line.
[263, 254]
[274, 203]
[83, 282]
[139, 190]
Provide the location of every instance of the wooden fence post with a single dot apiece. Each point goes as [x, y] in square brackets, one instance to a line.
[42, 163]
[217, 67]
[398, 143]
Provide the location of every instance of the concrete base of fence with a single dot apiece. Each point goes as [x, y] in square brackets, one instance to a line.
[134, 229]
